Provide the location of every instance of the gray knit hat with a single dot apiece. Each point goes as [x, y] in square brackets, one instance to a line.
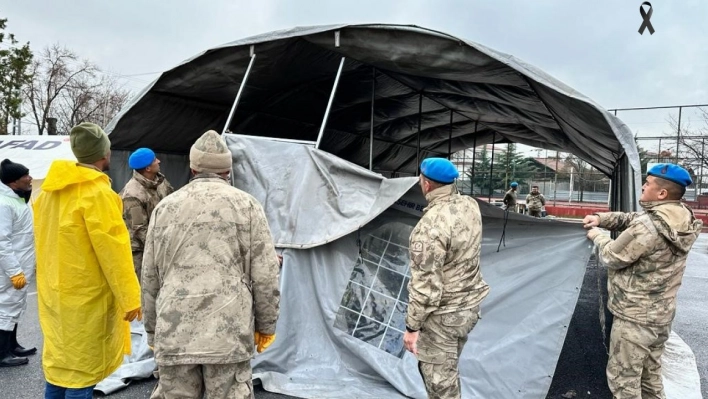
[210, 154]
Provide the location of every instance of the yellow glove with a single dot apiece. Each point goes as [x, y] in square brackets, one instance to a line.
[263, 341]
[19, 281]
[133, 314]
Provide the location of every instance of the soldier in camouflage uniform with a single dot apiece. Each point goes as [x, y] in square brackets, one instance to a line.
[140, 195]
[645, 267]
[210, 280]
[446, 287]
[510, 197]
[535, 202]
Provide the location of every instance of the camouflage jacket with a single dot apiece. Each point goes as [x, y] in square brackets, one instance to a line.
[140, 196]
[510, 198]
[444, 248]
[646, 262]
[209, 273]
[535, 202]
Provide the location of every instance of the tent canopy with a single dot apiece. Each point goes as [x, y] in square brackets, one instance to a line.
[433, 95]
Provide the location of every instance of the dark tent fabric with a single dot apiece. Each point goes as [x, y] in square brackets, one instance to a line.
[433, 95]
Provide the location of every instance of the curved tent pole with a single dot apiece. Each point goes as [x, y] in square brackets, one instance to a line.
[371, 130]
[420, 121]
[329, 104]
[678, 136]
[240, 90]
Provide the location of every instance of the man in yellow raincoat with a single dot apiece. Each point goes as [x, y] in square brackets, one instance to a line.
[87, 289]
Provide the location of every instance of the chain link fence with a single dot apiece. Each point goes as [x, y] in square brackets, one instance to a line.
[674, 134]
[560, 177]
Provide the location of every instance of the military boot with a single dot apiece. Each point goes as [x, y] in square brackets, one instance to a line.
[7, 359]
[17, 349]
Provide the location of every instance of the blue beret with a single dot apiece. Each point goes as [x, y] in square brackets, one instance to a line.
[439, 170]
[514, 184]
[141, 158]
[672, 173]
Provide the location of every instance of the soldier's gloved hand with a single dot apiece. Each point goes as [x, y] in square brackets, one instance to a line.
[19, 281]
[256, 338]
[133, 314]
[591, 221]
[263, 341]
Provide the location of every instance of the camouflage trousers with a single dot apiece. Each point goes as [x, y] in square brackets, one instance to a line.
[634, 367]
[138, 263]
[534, 213]
[211, 381]
[439, 347]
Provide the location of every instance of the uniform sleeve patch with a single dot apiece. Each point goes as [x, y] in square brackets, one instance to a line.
[621, 242]
[417, 246]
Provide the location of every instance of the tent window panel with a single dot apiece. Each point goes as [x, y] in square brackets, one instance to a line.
[364, 273]
[373, 248]
[388, 282]
[396, 258]
[354, 297]
[374, 304]
[370, 331]
[346, 320]
[379, 307]
[403, 297]
[398, 318]
[393, 343]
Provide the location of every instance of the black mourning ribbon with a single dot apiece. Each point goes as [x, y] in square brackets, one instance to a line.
[646, 23]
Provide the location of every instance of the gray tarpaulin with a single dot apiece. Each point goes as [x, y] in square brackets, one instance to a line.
[340, 330]
[138, 365]
[310, 196]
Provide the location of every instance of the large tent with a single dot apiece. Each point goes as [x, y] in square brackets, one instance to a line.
[380, 96]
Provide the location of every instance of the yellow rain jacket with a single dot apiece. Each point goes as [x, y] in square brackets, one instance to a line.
[85, 277]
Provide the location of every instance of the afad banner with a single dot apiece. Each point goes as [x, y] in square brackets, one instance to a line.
[36, 152]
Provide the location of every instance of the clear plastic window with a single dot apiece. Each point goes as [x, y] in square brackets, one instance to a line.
[373, 307]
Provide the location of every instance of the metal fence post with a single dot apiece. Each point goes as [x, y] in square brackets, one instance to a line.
[491, 166]
[474, 160]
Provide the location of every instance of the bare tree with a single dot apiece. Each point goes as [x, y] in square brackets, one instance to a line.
[54, 71]
[92, 100]
[691, 142]
[587, 177]
[70, 91]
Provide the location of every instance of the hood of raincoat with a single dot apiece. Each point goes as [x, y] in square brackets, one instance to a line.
[66, 173]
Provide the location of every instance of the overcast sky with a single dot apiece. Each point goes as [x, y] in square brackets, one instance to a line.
[593, 46]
